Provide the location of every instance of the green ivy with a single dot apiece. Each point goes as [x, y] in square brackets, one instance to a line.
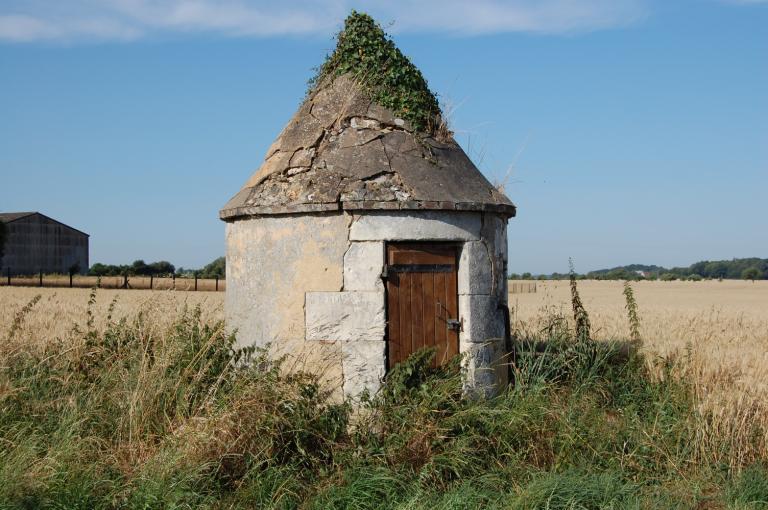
[364, 50]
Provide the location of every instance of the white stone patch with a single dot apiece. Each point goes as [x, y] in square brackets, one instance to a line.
[486, 368]
[364, 367]
[363, 263]
[482, 321]
[475, 274]
[416, 226]
[345, 316]
[364, 123]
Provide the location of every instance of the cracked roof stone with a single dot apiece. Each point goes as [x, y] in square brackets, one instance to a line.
[341, 151]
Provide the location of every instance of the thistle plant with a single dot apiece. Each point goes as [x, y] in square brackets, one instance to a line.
[632, 315]
[18, 319]
[580, 315]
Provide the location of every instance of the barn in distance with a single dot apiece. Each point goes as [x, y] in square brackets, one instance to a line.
[37, 243]
[368, 234]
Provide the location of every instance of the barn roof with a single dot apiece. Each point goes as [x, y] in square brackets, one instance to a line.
[344, 150]
[13, 216]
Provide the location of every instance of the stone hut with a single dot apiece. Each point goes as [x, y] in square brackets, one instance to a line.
[362, 239]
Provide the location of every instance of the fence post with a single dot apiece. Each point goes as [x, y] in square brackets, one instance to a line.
[41, 278]
[174, 281]
[125, 281]
[151, 280]
[217, 283]
[70, 280]
[8, 272]
[195, 282]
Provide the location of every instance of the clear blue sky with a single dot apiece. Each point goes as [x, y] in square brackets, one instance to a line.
[636, 130]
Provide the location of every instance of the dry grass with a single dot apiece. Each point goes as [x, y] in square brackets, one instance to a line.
[155, 412]
[715, 332]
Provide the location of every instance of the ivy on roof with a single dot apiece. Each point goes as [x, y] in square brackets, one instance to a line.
[364, 50]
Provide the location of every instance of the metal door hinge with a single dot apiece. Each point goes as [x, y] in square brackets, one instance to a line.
[454, 324]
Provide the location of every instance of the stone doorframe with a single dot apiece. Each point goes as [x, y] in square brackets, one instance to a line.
[355, 317]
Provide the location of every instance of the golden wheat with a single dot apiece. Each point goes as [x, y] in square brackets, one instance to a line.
[62, 312]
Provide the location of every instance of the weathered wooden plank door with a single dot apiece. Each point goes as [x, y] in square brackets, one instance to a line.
[422, 300]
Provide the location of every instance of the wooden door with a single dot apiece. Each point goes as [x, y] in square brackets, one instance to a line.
[422, 300]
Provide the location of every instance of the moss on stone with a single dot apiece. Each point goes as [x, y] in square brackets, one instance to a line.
[365, 51]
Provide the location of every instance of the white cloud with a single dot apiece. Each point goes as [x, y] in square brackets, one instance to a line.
[35, 20]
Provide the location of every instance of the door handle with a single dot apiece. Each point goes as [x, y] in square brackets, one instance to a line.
[453, 324]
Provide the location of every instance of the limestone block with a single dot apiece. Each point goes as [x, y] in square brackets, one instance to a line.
[364, 366]
[482, 320]
[345, 316]
[475, 270]
[486, 368]
[416, 226]
[362, 266]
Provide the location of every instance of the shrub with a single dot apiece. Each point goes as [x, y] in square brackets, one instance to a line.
[364, 50]
[751, 273]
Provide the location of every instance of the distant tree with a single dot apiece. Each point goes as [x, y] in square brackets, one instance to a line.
[621, 274]
[751, 273]
[716, 269]
[695, 277]
[527, 276]
[668, 277]
[99, 269]
[185, 272]
[139, 267]
[162, 267]
[216, 269]
[513, 276]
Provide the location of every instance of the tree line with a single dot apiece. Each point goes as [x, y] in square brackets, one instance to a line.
[747, 269]
[161, 268]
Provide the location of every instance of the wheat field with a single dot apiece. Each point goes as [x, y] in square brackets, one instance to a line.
[716, 332]
[61, 312]
[723, 325]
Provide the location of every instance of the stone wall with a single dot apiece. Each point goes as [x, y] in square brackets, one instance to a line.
[272, 262]
[312, 283]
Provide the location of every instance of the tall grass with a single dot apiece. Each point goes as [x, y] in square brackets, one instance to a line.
[129, 415]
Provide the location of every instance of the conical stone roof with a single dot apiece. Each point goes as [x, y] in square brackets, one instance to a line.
[344, 151]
